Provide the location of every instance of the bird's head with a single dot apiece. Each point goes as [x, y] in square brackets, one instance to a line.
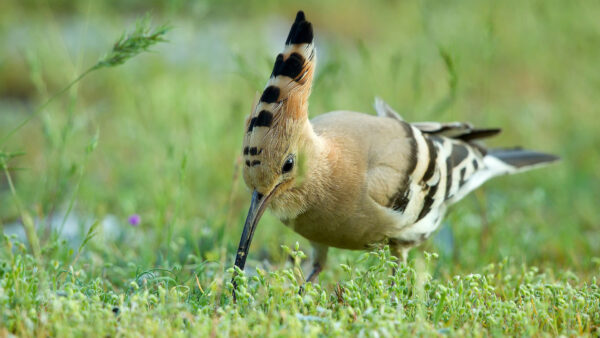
[274, 143]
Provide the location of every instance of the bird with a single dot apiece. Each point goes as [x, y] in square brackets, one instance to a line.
[352, 180]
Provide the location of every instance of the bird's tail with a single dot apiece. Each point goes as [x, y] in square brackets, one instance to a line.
[509, 161]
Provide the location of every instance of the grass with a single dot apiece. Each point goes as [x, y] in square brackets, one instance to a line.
[160, 136]
[504, 299]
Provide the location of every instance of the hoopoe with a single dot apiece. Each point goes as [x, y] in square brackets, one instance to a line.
[356, 181]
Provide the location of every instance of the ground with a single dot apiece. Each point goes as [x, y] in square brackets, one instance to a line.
[131, 177]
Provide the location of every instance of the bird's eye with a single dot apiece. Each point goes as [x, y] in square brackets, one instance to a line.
[288, 165]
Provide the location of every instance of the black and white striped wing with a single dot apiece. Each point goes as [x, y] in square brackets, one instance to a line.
[444, 172]
[463, 164]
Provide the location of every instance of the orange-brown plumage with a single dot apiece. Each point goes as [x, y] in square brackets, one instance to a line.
[352, 180]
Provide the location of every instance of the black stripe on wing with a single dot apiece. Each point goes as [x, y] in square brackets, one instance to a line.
[399, 201]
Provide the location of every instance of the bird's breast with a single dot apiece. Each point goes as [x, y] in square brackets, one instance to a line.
[338, 229]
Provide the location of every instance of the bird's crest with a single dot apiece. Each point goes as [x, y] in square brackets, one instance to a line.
[283, 104]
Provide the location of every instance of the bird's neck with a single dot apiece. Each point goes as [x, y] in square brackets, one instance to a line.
[311, 183]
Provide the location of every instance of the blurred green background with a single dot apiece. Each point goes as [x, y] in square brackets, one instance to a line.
[170, 122]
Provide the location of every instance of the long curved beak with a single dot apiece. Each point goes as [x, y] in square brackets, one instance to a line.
[257, 208]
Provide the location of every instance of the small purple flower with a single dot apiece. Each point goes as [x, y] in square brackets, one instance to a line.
[135, 220]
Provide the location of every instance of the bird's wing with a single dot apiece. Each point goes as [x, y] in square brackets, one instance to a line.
[458, 130]
[443, 167]
[384, 110]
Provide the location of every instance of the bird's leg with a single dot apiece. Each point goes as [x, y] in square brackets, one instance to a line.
[401, 252]
[317, 268]
[319, 260]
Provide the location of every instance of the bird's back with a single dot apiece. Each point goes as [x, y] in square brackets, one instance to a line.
[378, 179]
[391, 180]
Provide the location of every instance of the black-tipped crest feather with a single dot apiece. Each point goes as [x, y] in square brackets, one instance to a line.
[301, 31]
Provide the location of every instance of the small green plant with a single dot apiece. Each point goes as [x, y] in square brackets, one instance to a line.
[131, 44]
[127, 46]
[504, 299]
